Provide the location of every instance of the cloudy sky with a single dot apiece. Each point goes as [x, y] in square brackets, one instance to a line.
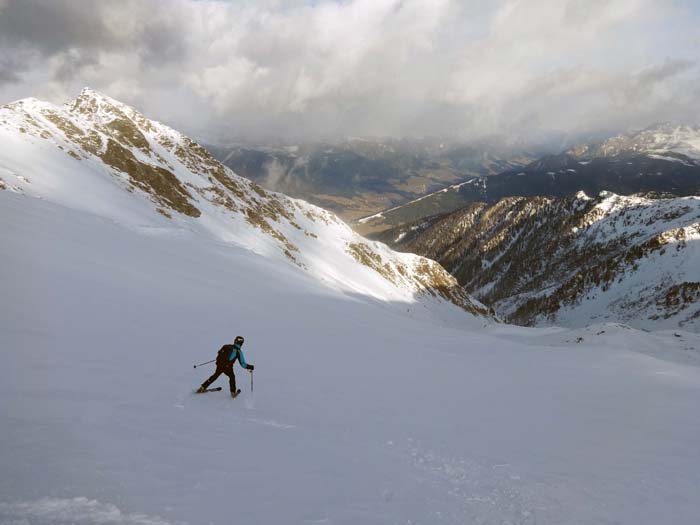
[320, 69]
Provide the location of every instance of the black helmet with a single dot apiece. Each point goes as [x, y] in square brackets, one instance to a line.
[239, 340]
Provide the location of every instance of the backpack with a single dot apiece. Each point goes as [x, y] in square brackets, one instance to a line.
[223, 356]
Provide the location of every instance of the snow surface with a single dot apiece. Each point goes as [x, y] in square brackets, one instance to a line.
[363, 412]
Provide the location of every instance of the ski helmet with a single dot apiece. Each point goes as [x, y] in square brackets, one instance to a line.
[239, 340]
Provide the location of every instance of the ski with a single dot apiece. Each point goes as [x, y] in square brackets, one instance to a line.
[218, 388]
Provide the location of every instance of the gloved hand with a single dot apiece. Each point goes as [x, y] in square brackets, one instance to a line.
[250, 367]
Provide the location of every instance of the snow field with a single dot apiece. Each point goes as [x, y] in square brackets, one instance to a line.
[363, 412]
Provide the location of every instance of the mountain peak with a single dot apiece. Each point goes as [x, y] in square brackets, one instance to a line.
[89, 93]
[91, 101]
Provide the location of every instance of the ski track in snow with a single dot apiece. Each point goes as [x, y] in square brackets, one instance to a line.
[476, 493]
[248, 404]
[72, 511]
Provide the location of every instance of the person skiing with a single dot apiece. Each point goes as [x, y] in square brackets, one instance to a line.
[224, 365]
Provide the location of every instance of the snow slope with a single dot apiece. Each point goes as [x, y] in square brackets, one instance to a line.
[361, 413]
[99, 155]
[655, 284]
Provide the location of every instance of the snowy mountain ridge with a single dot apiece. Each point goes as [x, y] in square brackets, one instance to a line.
[573, 261]
[664, 158]
[96, 154]
[661, 139]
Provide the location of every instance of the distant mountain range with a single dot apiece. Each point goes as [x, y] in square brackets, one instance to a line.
[660, 140]
[663, 158]
[357, 177]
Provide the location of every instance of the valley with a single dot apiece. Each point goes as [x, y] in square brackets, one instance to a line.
[359, 176]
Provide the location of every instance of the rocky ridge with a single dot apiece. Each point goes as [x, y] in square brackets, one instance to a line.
[574, 260]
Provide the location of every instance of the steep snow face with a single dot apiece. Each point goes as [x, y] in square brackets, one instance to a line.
[656, 140]
[574, 261]
[98, 155]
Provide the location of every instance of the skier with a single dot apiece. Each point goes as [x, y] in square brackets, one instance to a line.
[224, 365]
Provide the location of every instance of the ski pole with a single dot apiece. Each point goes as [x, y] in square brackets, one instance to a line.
[251, 380]
[200, 364]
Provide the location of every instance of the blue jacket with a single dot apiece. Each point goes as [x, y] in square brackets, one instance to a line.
[237, 352]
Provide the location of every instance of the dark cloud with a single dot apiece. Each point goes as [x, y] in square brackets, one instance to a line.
[74, 61]
[161, 41]
[661, 72]
[9, 71]
[80, 30]
[55, 25]
[361, 67]
[8, 74]
[14, 64]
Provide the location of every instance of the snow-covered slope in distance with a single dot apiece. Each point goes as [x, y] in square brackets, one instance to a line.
[99, 155]
[660, 139]
[360, 414]
[647, 271]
